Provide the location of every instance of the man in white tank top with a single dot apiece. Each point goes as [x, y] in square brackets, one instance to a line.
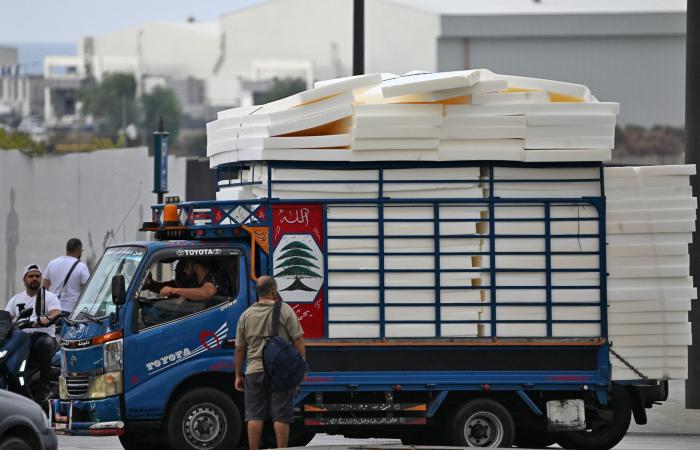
[66, 276]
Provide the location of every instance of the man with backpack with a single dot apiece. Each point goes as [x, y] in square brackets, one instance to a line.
[263, 397]
[66, 276]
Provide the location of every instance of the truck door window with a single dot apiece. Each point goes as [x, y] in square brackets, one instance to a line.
[176, 287]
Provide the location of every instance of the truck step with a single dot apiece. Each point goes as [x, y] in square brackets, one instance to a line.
[374, 407]
[366, 421]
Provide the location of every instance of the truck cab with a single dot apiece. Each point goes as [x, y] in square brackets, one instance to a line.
[128, 352]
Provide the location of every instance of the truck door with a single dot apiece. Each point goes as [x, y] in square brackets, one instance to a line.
[175, 332]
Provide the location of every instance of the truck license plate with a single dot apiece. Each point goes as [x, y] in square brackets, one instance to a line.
[566, 415]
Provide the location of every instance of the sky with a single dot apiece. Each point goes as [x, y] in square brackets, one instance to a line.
[66, 21]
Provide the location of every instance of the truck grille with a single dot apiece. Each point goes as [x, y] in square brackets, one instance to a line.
[77, 386]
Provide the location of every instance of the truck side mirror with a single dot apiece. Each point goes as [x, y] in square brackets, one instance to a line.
[118, 290]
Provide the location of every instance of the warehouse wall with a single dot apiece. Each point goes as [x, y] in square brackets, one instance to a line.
[645, 74]
[637, 59]
[85, 195]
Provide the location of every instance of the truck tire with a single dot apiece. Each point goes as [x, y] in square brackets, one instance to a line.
[204, 419]
[14, 443]
[482, 423]
[602, 433]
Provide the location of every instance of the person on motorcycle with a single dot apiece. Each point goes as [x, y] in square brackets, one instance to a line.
[46, 307]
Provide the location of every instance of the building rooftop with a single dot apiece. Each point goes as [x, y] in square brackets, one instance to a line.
[518, 7]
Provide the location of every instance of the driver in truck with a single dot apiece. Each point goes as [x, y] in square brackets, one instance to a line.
[200, 278]
[182, 279]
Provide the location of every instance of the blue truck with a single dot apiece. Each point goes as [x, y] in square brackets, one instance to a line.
[159, 372]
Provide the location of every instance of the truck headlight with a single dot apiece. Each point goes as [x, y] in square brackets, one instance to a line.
[62, 388]
[105, 385]
[113, 352]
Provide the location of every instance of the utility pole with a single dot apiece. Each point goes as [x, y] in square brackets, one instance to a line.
[358, 37]
[692, 156]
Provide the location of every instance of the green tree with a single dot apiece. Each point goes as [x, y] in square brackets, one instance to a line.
[297, 262]
[283, 87]
[20, 141]
[112, 103]
[161, 101]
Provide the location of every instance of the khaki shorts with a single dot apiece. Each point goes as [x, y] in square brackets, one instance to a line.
[263, 404]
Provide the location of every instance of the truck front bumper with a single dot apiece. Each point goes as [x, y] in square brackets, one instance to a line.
[87, 417]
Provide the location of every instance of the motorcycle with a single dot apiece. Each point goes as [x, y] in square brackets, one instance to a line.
[17, 373]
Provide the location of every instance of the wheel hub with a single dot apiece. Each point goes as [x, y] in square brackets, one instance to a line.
[483, 429]
[480, 430]
[204, 426]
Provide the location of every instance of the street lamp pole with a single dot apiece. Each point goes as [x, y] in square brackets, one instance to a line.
[692, 156]
[358, 37]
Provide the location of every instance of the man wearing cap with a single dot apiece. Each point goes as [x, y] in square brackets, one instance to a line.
[46, 308]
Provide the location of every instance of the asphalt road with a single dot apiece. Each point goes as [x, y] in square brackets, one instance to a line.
[634, 441]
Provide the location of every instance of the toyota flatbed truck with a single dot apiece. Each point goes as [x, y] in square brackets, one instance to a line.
[159, 372]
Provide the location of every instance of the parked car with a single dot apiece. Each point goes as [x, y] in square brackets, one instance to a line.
[23, 425]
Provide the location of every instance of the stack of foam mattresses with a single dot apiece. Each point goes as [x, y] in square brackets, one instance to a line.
[409, 247]
[402, 118]
[312, 125]
[396, 132]
[650, 220]
[528, 129]
[460, 115]
[520, 230]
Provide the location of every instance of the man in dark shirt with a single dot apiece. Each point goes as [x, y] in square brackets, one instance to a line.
[204, 285]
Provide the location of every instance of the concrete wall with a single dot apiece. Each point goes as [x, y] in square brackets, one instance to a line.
[44, 201]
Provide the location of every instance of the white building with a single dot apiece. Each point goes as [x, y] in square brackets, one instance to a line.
[179, 55]
[21, 95]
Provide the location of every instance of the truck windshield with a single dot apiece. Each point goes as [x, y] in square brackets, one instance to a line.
[96, 300]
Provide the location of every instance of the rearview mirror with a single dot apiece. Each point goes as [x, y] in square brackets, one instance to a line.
[118, 290]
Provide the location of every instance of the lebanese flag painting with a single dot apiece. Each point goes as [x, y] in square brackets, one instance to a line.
[298, 262]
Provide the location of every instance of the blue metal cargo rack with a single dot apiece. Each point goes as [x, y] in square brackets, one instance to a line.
[547, 349]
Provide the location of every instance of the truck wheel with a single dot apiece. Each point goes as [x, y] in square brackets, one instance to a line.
[605, 426]
[204, 419]
[482, 423]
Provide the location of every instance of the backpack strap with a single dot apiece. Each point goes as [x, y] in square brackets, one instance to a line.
[65, 280]
[276, 309]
